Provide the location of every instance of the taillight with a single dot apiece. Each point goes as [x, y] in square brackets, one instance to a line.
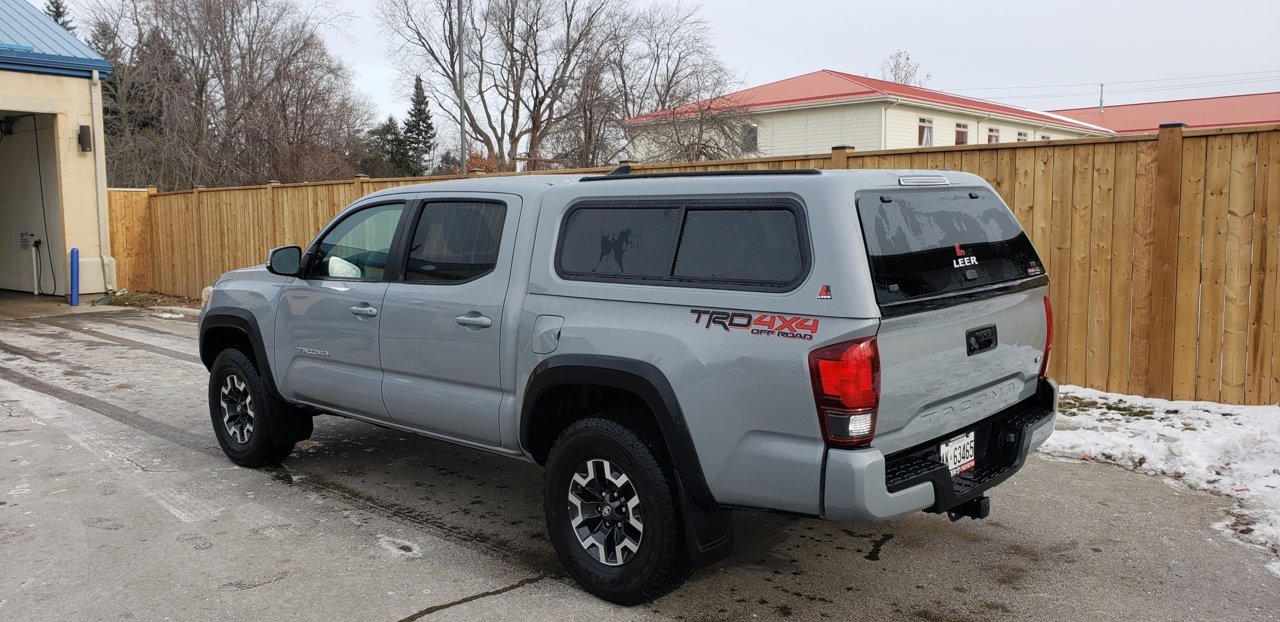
[846, 387]
[1048, 337]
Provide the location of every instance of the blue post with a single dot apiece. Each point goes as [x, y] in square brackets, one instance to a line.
[75, 277]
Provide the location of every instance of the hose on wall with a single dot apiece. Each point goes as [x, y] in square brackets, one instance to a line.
[44, 209]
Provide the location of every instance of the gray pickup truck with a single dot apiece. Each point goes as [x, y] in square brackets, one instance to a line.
[851, 345]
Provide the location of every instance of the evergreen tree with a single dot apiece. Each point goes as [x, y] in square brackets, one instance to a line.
[419, 132]
[449, 164]
[57, 10]
[106, 42]
[387, 152]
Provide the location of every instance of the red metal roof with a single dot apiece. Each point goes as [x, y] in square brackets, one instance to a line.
[828, 86]
[1204, 112]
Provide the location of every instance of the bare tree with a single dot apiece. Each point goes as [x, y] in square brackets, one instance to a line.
[223, 92]
[521, 63]
[901, 69]
[591, 133]
[658, 91]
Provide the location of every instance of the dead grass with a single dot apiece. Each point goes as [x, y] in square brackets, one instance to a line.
[147, 299]
[1071, 405]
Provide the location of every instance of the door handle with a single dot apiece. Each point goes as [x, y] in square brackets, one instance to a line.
[364, 310]
[474, 320]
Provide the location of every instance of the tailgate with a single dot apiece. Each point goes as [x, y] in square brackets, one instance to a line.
[945, 369]
[961, 293]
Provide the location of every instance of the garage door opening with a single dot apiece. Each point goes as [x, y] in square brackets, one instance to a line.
[33, 257]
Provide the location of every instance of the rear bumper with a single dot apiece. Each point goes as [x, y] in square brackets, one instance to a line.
[865, 485]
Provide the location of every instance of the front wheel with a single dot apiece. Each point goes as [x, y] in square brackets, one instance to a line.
[242, 410]
[611, 511]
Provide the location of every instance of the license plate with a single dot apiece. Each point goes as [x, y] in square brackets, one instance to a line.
[957, 453]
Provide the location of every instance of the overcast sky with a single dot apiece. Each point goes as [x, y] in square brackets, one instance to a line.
[1024, 48]
[1221, 45]
[1031, 53]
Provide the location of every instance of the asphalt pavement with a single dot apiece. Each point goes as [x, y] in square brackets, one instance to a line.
[118, 504]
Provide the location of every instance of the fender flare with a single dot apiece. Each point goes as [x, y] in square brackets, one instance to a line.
[286, 429]
[708, 526]
[245, 322]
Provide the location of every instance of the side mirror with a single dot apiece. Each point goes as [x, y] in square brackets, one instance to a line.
[284, 261]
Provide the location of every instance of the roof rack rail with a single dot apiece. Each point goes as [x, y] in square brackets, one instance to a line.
[618, 174]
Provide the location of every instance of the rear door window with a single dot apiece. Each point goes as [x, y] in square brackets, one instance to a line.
[455, 242]
[933, 241]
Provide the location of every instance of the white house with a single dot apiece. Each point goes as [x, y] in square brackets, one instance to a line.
[811, 113]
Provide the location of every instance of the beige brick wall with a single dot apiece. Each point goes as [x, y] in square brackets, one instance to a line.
[72, 178]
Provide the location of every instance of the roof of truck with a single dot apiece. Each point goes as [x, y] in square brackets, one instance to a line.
[521, 184]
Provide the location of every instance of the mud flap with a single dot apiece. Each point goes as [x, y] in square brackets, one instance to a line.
[708, 533]
[289, 424]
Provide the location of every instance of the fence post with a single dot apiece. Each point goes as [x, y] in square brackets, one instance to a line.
[148, 284]
[191, 288]
[840, 156]
[358, 182]
[1167, 201]
[277, 215]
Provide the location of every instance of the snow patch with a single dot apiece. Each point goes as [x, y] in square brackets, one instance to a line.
[1220, 448]
[398, 547]
[168, 316]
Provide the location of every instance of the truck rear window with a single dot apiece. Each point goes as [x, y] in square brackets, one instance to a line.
[934, 241]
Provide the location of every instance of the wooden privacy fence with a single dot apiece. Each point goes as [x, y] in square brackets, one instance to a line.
[1163, 249]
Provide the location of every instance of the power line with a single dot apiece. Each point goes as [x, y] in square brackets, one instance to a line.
[1137, 90]
[1055, 86]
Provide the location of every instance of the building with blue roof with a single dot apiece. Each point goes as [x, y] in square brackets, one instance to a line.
[53, 185]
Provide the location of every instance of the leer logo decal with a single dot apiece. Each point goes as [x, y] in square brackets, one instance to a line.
[766, 324]
[963, 258]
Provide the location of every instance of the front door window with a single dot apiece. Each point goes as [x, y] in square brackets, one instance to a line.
[357, 248]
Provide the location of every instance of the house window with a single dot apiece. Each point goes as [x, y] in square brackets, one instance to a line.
[962, 133]
[924, 134]
[993, 135]
[1045, 137]
[1022, 137]
[750, 137]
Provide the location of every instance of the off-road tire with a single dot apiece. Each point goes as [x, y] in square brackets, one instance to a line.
[661, 562]
[259, 449]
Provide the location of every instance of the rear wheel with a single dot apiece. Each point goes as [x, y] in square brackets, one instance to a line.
[611, 510]
[242, 410]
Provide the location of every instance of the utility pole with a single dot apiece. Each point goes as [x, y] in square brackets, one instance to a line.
[462, 122]
[1101, 88]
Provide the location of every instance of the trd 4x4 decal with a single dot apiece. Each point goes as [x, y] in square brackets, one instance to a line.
[765, 324]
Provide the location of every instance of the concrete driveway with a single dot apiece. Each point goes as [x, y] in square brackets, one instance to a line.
[118, 504]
